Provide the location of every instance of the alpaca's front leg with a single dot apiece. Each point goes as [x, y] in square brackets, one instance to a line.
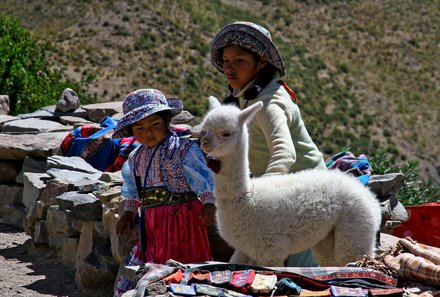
[241, 258]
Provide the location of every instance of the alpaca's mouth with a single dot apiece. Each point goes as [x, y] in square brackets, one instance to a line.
[213, 164]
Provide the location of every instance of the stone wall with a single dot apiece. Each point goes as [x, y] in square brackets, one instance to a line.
[63, 202]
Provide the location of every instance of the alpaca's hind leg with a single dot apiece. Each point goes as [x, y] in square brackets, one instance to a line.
[324, 251]
[240, 258]
[353, 240]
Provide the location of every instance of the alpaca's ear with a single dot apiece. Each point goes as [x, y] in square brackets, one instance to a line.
[249, 112]
[213, 102]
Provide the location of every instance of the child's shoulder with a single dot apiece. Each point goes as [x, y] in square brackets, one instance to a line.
[274, 89]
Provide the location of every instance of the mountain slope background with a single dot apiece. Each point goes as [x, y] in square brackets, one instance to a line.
[367, 73]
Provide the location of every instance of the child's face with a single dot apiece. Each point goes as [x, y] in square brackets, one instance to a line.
[150, 131]
[239, 66]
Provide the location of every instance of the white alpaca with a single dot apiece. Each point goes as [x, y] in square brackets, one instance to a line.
[266, 219]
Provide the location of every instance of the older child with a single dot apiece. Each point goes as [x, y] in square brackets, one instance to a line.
[279, 142]
[167, 182]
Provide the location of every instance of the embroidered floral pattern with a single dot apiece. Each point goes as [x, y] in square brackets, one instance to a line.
[178, 165]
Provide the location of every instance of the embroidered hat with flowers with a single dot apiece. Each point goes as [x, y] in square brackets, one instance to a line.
[141, 104]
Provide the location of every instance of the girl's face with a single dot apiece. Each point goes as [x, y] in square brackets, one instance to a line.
[150, 131]
[239, 66]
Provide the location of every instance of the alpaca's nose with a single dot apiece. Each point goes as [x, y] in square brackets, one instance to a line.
[204, 141]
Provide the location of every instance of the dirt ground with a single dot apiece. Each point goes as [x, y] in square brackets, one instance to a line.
[29, 270]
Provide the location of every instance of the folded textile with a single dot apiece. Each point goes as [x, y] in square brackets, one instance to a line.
[200, 276]
[182, 289]
[241, 280]
[337, 291]
[396, 292]
[347, 162]
[372, 278]
[157, 288]
[96, 146]
[263, 283]
[415, 261]
[151, 273]
[203, 289]
[426, 251]
[221, 277]
[287, 286]
[233, 293]
[364, 279]
[308, 293]
[175, 278]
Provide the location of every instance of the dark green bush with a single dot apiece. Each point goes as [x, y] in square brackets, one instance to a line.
[415, 190]
[27, 76]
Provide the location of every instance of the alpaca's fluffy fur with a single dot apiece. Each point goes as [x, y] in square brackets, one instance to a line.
[267, 218]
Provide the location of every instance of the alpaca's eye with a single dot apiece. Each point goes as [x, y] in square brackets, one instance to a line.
[226, 134]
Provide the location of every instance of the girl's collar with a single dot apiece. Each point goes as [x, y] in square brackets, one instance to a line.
[239, 93]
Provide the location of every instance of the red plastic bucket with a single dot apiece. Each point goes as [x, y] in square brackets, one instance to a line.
[423, 224]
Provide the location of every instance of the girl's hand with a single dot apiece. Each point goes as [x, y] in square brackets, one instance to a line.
[126, 222]
[208, 213]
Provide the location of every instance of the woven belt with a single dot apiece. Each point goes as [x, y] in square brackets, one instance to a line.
[160, 196]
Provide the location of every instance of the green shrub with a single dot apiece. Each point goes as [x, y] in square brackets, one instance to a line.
[26, 76]
[415, 190]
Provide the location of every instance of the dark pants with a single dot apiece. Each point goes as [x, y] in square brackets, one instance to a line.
[220, 250]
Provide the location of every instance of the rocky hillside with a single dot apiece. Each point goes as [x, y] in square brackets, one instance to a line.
[366, 72]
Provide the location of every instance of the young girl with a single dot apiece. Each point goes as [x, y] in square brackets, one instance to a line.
[279, 142]
[167, 182]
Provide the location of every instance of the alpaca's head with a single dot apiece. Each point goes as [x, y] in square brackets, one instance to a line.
[223, 129]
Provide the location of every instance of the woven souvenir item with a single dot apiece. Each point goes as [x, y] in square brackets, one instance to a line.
[338, 291]
[233, 293]
[175, 278]
[308, 293]
[396, 292]
[199, 276]
[220, 278]
[203, 289]
[182, 289]
[241, 280]
[157, 288]
[286, 286]
[263, 283]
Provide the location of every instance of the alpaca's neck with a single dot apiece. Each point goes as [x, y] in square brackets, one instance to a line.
[234, 176]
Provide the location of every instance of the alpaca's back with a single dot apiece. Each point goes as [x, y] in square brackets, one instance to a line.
[301, 210]
[314, 186]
